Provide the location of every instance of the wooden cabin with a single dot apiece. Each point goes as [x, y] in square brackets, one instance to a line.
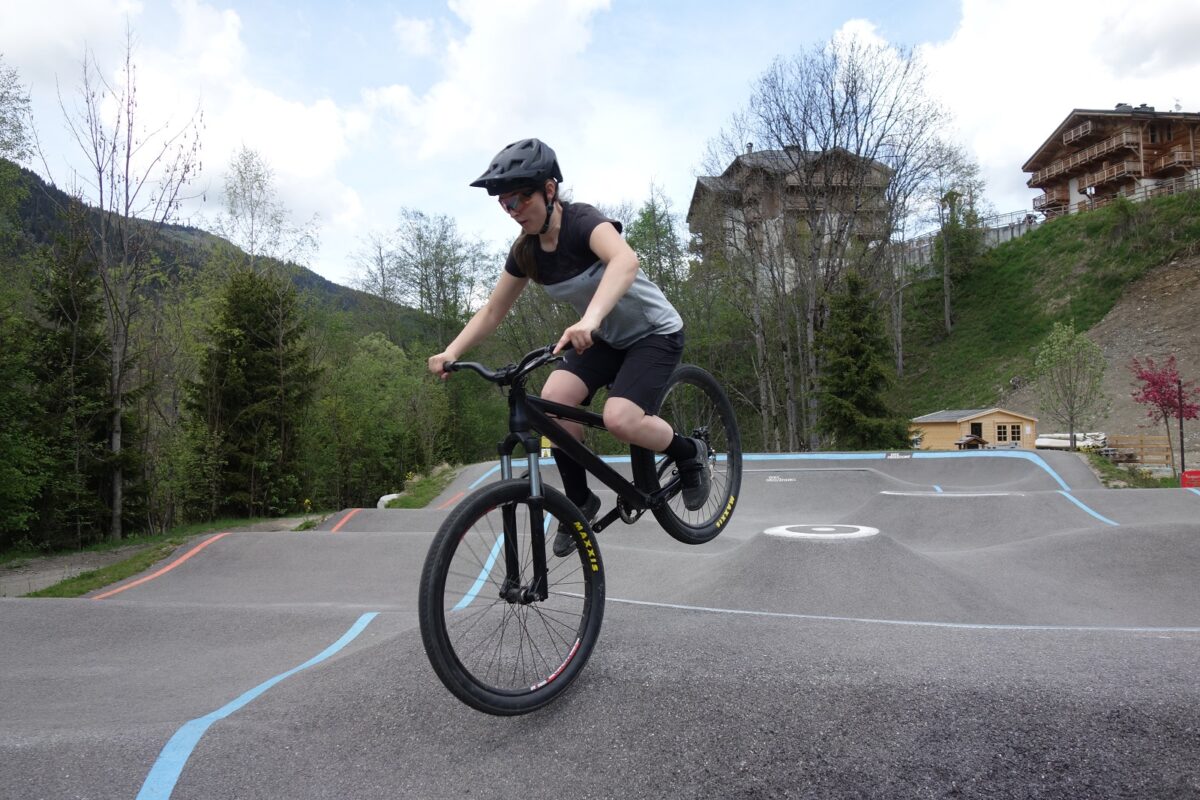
[974, 428]
[1096, 155]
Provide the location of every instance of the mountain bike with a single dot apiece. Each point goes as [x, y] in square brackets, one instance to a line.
[506, 625]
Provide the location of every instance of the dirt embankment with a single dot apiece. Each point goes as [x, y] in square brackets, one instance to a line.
[1157, 317]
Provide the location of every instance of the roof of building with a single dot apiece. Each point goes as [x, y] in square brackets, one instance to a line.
[965, 414]
[1053, 144]
[776, 162]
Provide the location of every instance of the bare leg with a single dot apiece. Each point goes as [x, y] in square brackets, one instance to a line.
[567, 389]
[627, 421]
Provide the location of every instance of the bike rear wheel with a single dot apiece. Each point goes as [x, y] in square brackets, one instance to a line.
[498, 656]
[695, 405]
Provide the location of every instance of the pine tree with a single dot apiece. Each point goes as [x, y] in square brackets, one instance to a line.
[854, 356]
[71, 362]
[255, 385]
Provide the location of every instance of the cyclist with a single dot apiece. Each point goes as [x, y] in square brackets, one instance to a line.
[629, 337]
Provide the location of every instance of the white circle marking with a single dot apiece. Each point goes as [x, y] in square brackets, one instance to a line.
[822, 531]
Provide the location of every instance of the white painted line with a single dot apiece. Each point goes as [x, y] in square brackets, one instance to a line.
[940, 493]
[906, 623]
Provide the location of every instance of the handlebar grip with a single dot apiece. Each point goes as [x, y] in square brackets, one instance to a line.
[455, 366]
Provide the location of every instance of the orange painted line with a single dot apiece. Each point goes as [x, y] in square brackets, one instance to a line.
[165, 569]
[450, 502]
[345, 519]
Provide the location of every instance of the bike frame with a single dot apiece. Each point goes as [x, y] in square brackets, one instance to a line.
[530, 414]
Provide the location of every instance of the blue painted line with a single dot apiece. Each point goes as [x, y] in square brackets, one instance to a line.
[1095, 514]
[937, 489]
[517, 463]
[473, 592]
[160, 782]
[813, 456]
[1033, 458]
[1194, 491]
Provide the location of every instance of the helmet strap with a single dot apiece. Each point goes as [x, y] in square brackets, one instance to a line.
[549, 210]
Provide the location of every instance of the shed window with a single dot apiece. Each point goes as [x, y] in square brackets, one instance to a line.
[1015, 433]
[1002, 432]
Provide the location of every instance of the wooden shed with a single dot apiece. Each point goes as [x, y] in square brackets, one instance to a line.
[992, 428]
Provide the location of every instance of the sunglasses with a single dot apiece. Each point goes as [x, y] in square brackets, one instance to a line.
[516, 201]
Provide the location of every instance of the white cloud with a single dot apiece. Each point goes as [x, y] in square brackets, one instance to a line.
[415, 36]
[1148, 42]
[1014, 69]
[210, 45]
[42, 49]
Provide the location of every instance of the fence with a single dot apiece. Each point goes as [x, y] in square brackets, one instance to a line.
[998, 229]
[1184, 183]
[1139, 449]
[918, 251]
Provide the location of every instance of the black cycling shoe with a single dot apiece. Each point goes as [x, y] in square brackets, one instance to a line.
[564, 540]
[693, 474]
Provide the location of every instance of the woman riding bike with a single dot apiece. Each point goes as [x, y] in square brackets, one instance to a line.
[629, 337]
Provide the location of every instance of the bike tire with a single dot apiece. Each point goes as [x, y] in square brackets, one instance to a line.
[694, 404]
[499, 657]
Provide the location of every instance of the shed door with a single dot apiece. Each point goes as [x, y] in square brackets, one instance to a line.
[977, 429]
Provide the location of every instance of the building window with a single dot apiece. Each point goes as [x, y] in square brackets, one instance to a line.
[1016, 433]
[1161, 133]
[1002, 433]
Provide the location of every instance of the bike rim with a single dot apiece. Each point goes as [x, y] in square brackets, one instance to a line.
[511, 648]
[691, 411]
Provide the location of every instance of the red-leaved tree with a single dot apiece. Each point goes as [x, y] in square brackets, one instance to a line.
[1165, 394]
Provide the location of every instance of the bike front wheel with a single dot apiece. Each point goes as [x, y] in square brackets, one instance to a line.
[695, 405]
[496, 655]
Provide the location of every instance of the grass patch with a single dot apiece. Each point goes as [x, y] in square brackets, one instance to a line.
[17, 555]
[1115, 476]
[106, 576]
[149, 550]
[1071, 269]
[423, 488]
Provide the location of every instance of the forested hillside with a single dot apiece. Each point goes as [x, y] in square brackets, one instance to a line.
[252, 387]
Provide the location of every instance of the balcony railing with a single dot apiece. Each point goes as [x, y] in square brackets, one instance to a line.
[1125, 169]
[1179, 156]
[1078, 132]
[1051, 199]
[1128, 139]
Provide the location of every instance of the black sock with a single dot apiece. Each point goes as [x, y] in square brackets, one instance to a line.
[681, 448]
[574, 477]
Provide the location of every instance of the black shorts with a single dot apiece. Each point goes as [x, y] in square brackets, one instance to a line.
[638, 374]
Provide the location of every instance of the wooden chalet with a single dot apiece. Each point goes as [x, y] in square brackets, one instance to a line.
[974, 428]
[773, 187]
[1094, 155]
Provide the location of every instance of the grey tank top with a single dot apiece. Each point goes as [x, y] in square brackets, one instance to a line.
[643, 310]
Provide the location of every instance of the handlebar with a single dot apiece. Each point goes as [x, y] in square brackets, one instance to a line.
[508, 375]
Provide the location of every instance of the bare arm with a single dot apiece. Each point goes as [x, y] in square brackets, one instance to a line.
[621, 267]
[484, 323]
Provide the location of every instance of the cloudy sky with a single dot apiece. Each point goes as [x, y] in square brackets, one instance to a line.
[363, 108]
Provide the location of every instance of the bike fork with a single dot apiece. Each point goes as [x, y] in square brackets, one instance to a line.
[512, 590]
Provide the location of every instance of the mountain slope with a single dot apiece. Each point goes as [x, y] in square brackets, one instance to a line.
[180, 247]
[1125, 273]
[1158, 316]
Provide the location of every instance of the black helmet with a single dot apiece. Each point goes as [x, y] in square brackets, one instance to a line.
[529, 162]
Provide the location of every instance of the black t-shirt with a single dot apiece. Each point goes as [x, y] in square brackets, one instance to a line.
[573, 255]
